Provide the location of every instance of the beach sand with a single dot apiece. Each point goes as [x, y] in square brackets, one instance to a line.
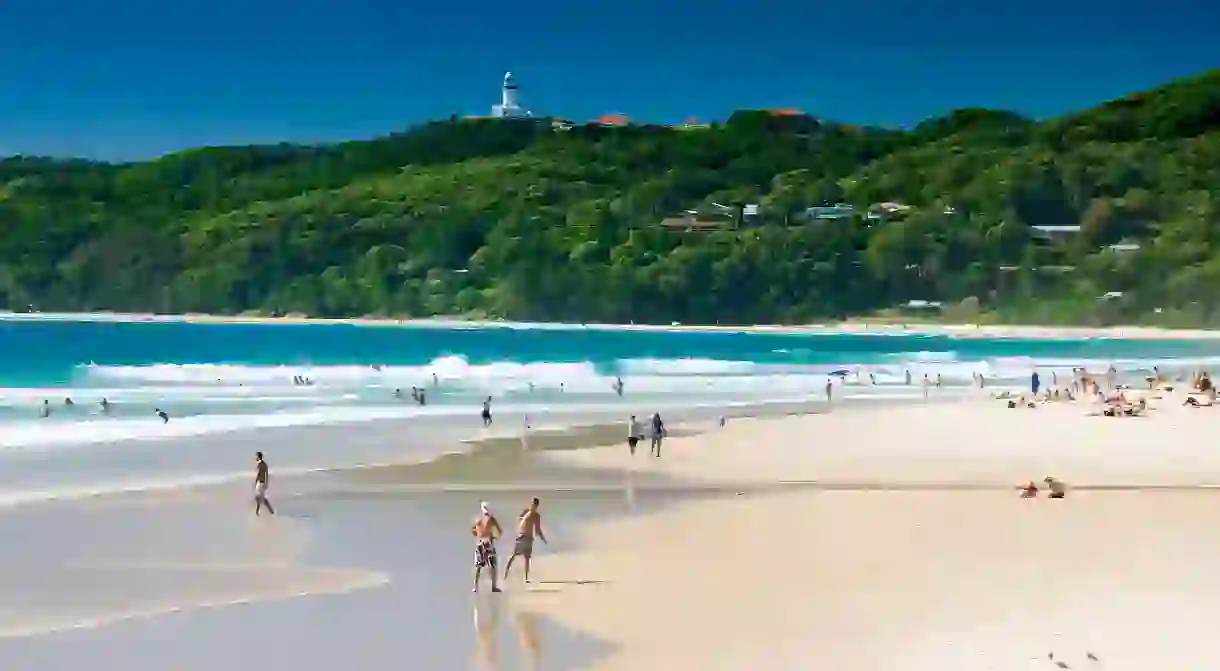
[869, 537]
[911, 550]
[855, 326]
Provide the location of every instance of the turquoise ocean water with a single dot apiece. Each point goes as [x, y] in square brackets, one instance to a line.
[222, 383]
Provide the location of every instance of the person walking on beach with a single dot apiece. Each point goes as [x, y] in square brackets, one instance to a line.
[658, 434]
[487, 412]
[529, 523]
[486, 529]
[830, 385]
[634, 433]
[1035, 383]
[262, 477]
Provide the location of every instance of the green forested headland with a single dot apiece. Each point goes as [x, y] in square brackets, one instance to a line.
[533, 220]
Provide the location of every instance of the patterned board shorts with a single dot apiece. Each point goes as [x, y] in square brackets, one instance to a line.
[485, 554]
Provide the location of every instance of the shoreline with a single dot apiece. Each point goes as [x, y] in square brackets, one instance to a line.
[859, 327]
[901, 506]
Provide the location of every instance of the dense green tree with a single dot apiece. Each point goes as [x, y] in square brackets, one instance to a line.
[530, 219]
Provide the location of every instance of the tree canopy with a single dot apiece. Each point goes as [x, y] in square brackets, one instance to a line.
[1111, 214]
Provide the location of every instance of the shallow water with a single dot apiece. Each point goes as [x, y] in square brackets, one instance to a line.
[425, 618]
[229, 388]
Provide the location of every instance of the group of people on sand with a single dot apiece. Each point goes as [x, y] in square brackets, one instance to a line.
[1056, 488]
[486, 531]
[656, 434]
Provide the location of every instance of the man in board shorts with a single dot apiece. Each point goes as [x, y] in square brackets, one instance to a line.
[634, 433]
[529, 524]
[486, 529]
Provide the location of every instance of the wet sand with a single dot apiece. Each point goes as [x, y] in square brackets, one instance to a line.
[352, 572]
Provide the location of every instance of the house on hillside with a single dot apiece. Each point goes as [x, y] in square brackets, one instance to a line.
[690, 222]
[882, 212]
[836, 212]
[1054, 233]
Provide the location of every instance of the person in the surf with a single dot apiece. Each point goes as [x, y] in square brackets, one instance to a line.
[422, 399]
[487, 412]
[618, 386]
[105, 403]
[46, 409]
[68, 402]
[163, 415]
[1035, 382]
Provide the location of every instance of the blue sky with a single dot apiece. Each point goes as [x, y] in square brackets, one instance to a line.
[134, 78]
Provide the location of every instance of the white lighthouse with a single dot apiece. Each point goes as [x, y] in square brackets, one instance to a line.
[509, 107]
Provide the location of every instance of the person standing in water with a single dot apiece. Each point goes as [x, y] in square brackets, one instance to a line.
[262, 477]
[618, 386]
[486, 529]
[487, 412]
[46, 409]
[658, 434]
[529, 524]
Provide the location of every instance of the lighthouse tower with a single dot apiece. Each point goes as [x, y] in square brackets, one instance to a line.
[509, 107]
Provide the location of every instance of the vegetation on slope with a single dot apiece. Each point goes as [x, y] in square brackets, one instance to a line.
[519, 220]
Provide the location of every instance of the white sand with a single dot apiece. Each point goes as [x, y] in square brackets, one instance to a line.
[911, 580]
[1034, 332]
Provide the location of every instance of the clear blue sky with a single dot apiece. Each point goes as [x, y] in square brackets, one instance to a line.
[135, 78]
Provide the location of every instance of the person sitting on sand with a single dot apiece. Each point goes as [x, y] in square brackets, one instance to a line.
[1058, 489]
[529, 523]
[1029, 490]
[486, 529]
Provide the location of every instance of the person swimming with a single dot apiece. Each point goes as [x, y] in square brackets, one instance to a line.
[163, 415]
[105, 403]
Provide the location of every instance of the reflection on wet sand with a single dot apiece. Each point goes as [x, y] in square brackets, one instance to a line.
[487, 648]
[531, 643]
[629, 489]
[487, 651]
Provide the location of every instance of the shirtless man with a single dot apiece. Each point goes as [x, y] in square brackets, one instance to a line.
[486, 529]
[262, 478]
[529, 523]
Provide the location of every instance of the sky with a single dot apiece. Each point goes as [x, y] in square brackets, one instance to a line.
[130, 79]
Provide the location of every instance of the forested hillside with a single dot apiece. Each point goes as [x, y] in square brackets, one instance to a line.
[534, 220]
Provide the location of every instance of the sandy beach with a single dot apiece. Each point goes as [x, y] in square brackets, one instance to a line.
[871, 537]
[911, 549]
[852, 327]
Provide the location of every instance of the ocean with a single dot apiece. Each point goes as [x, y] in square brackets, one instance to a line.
[231, 388]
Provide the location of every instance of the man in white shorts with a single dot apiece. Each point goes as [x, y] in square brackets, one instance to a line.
[261, 477]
